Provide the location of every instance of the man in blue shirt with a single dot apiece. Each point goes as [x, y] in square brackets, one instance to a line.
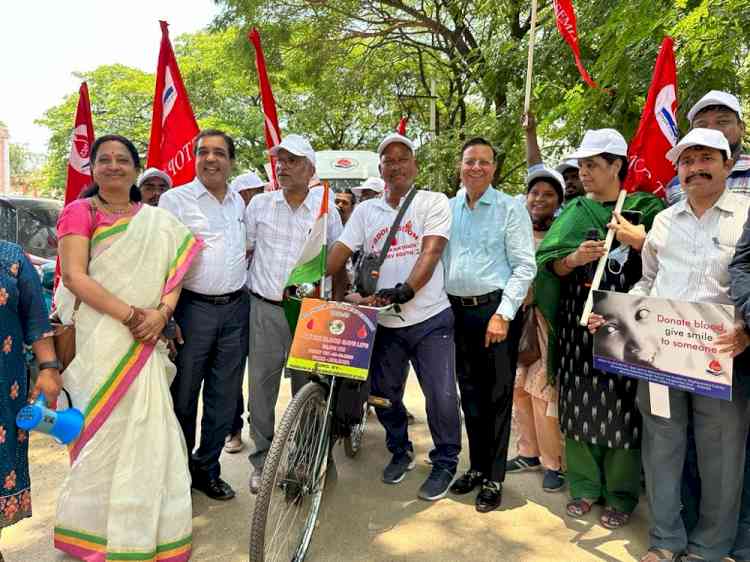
[489, 264]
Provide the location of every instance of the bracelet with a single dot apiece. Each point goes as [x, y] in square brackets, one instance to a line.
[165, 310]
[130, 316]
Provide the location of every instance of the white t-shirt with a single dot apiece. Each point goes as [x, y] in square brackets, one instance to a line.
[428, 214]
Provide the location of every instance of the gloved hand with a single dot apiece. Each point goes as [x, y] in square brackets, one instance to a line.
[399, 294]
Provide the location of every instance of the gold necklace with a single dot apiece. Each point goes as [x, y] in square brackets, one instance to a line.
[113, 210]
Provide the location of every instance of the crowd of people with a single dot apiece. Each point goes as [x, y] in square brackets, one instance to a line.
[176, 289]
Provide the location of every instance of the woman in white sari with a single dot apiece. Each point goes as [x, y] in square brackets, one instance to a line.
[127, 495]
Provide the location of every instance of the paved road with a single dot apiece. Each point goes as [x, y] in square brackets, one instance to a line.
[364, 519]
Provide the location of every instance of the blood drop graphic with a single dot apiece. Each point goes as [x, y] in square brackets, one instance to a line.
[310, 324]
[362, 332]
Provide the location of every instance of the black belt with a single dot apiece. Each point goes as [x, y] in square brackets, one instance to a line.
[264, 299]
[213, 299]
[476, 301]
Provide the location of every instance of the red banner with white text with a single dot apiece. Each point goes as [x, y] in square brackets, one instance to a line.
[79, 163]
[565, 16]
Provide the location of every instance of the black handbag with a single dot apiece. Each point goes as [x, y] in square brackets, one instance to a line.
[367, 269]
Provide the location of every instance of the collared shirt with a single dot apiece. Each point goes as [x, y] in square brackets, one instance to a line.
[220, 267]
[491, 247]
[368, 227]
[686, 257]
[737, 182]
[276, 234]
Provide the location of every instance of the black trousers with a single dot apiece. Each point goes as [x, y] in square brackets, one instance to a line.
[486, 376]
[214, 352]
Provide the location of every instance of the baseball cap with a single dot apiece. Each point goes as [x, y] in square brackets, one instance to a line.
[248, 180]
[297, 145]
[567, 165]
[153, 173]
[715, 97]
[373, 183]
[556, 178]
[700, 137]
[599, 141]
[395, 137]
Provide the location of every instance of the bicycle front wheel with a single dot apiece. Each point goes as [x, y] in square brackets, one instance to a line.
[294, 476]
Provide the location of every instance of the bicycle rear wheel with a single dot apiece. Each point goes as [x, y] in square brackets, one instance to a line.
[294, 476]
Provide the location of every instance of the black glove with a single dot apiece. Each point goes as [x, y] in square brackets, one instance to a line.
[400, 294]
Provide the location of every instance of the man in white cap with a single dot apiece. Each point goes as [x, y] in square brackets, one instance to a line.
[278, 224]
[567, 167]
[412, 278]
[247, 185]
[720, 111]
[372, 188]
[153, 183]
[686, 257]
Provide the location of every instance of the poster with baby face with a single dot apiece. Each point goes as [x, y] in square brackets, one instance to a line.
[664, 341]
[333, 338]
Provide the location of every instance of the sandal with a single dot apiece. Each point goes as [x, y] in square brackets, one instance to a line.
[612, 519]
[579, 507]
[655, 554]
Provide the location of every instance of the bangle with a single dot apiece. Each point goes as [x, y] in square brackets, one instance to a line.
[129, 318]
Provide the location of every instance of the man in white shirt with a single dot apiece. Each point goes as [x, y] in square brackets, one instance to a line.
[686, 257]
[422, 332]
[278, 224]
[212, 311]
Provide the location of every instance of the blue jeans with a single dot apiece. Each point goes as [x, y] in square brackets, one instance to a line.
[430, 348]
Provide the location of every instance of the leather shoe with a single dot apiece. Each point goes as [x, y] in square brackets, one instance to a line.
[470, 480]
[215, 489]
[490, 497]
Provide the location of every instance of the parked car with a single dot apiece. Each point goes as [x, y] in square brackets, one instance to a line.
[31, 222]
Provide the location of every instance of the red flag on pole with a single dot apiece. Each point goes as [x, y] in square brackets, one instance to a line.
[271, 121]
[79, 163]
[401, 128]
[566, 24]
[173, 125]
[649, 169]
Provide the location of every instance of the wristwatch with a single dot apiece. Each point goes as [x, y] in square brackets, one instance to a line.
[50, 365]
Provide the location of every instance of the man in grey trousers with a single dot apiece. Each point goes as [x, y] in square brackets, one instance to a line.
[278, 223]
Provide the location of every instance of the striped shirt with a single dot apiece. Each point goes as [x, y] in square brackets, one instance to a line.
[687, 258]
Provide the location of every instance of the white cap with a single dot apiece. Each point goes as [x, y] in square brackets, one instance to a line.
[375, 184]
[153, 173]
[567, 165]
[248, 180]
[715, 97]
[700, 137]
[395, 137]
[554, 175]
[297, 145]
[599, 141]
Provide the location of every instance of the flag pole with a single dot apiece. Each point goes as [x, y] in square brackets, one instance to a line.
[530, 64]
[323, 294]
[602, 263]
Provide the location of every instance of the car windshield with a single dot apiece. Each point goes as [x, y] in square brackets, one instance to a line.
[32, 224]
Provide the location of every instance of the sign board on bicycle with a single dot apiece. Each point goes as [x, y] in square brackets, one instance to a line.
[333, 338]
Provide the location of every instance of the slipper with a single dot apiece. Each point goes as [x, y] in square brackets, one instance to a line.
[655, 554]
[613, 519]
[579, 507]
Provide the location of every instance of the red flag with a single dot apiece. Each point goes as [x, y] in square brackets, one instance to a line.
[271, 121]
[401, 128]
[173, 126]
[79, 163]
[566, 24]
[649, 169]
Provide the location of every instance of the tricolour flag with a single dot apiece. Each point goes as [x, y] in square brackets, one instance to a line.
[565, 16]
[649, 169]
[271, 127]
[311, 265]
[79, 163]
[173, 125]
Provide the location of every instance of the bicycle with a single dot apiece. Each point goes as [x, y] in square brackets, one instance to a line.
[294, 473]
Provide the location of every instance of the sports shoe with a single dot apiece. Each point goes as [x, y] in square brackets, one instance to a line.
[398, 467]
[554, 481]
[437, 484]
[523, 464]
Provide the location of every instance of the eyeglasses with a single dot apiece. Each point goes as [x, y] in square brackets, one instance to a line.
[471, 162]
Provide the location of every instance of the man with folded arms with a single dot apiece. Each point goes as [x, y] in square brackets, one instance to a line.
[686, 257]
[278, 224]
[490, 266]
